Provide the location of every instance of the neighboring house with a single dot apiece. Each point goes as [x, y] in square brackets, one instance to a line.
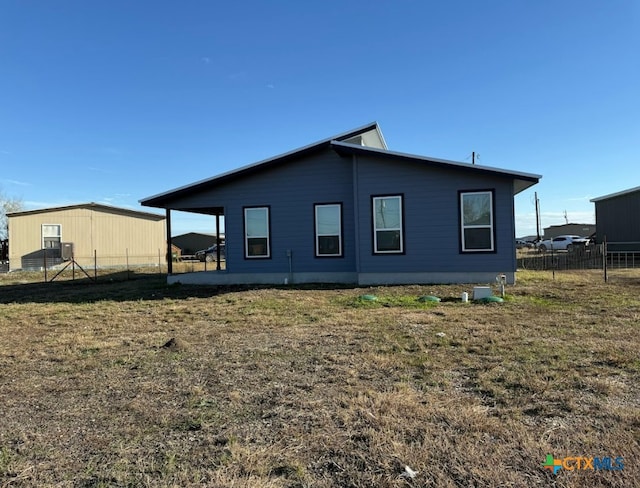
[583, 230]
[192, 242]
[348, 210]
[116, 236]
[618, 220]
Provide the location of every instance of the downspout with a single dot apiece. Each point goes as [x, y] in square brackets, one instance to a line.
[356, 213]
[169, 244]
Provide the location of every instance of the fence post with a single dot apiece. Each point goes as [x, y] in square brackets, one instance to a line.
[604, 258]
[95, 266]
[45, 264]
[127, 260]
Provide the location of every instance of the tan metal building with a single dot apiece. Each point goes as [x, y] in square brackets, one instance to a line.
[88, 233]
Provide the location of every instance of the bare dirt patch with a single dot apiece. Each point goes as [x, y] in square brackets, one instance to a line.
[134, 383]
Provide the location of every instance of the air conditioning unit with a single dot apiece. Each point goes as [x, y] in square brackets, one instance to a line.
[67, 251]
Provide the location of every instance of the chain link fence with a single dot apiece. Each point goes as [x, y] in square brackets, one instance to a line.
[51, 263]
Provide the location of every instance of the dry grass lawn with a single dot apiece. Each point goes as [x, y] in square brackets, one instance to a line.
[135, 383]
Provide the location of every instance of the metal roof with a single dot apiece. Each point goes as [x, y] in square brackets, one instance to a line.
[618, 194]
[370, 131]
[92, 206]
[523, 180]
[161, 198]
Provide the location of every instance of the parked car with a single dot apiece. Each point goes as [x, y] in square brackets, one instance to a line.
[563, 243]
[210, 254]
[520, 244]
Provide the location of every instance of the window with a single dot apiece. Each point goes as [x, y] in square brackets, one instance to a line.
[476, 215]
[51, 236]
[328, 219]
[256, 232]
[387, 225]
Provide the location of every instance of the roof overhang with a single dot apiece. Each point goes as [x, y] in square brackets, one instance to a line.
[617, 194]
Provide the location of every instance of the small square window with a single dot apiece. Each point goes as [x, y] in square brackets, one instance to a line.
[51, 236]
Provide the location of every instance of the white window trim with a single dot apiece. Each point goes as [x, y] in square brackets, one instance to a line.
[267, 236]
[375, 229]
[485, 226]
[318, 234]
[42, 236]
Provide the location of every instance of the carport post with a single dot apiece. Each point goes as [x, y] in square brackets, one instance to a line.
[169, 260]
[218, 241]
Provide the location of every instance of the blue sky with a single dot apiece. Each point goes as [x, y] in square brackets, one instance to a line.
[113, 101]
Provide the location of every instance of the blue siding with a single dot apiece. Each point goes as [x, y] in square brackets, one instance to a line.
[290, 190]
[431, 221]
[432, 235]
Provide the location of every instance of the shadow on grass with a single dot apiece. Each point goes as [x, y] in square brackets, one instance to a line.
[123, 286]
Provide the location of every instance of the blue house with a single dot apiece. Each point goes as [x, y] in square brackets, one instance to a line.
[348, 210]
